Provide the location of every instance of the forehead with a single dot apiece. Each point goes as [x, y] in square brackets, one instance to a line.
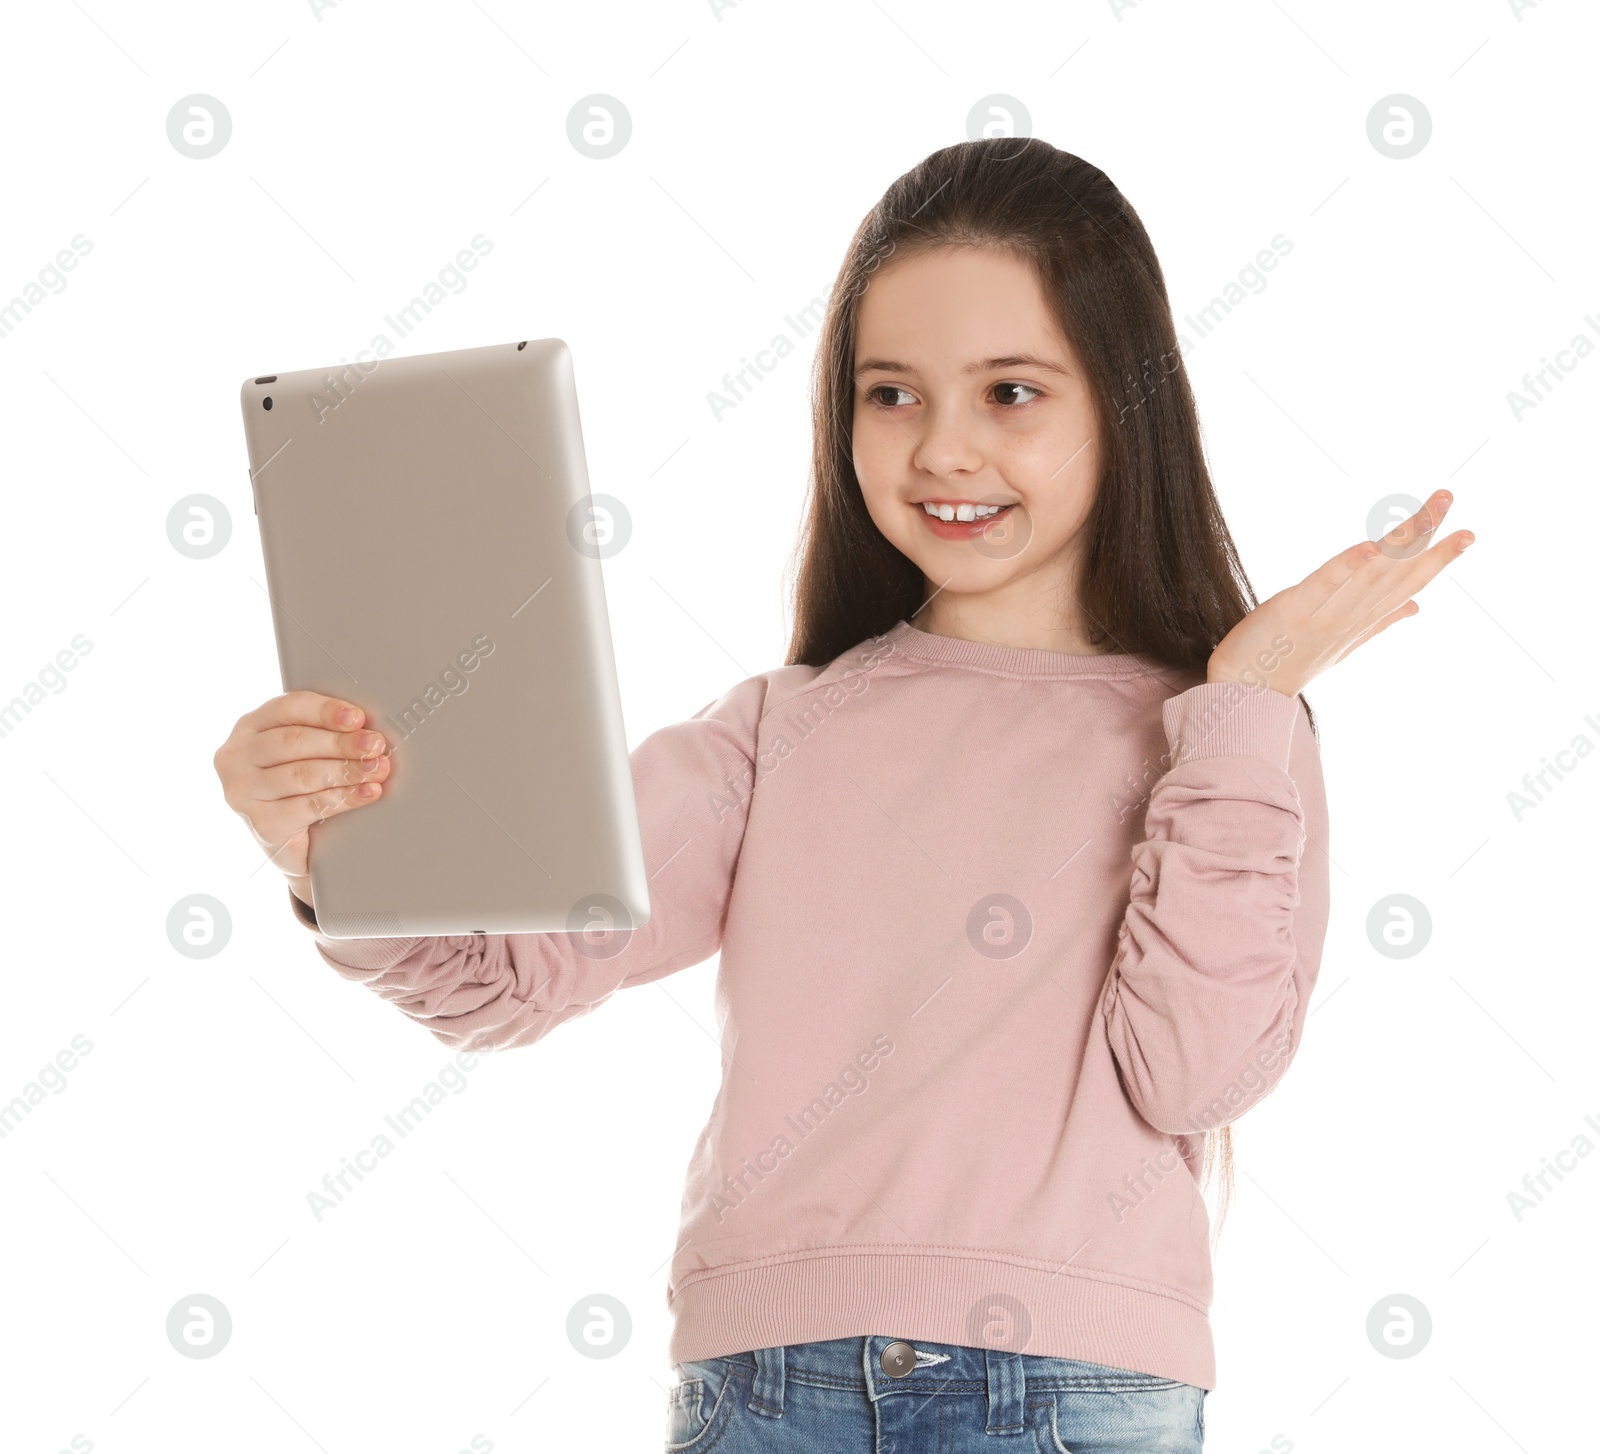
[950, 304]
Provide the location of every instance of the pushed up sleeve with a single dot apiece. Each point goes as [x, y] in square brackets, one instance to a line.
[497, 991]
[1219, 948]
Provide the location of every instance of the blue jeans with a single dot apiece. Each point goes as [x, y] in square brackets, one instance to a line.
[879, 1394]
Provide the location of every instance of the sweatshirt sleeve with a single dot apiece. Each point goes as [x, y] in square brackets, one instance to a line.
[497, 991]
[1219, 948]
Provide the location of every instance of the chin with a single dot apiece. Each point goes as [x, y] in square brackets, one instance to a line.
[959, 573]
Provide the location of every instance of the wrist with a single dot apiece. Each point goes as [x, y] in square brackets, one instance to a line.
[1243, 656]
[1221, 669]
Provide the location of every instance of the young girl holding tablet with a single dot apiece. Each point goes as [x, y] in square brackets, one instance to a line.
[1018, 868]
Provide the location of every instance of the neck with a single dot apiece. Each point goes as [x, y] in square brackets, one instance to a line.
[1025, 613]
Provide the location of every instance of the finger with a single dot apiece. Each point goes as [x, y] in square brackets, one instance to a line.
[296, 743]
[312, 709]
[299, 724]
[313, 775]
[1410, 535]
[1406, 541]
[1394, 580]
[278, 820]
[1409, 609]
[1371, 577]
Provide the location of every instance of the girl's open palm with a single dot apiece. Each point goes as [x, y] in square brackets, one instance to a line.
[1302, 630]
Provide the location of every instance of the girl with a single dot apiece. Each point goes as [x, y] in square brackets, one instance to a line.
[1018, 868]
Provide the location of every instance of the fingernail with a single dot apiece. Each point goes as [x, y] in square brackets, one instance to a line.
[349, 717]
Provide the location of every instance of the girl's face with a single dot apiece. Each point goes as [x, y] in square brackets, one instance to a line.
[968, 397]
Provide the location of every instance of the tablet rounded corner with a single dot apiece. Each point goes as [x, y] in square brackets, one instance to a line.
[553, 357]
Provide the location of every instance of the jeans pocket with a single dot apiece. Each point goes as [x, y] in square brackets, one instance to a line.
[695, 1402]
[1161, 1417]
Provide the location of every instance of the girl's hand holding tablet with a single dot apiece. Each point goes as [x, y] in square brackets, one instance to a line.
[293, 761]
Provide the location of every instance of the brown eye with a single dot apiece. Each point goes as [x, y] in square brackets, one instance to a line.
[1016, 403]
[877, 390]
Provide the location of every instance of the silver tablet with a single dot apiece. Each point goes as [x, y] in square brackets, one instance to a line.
[432, 555]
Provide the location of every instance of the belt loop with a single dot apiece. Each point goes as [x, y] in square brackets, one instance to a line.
[766, 1389]
[1006, 1389]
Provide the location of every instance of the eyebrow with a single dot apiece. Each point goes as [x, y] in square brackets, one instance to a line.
[1010, 361]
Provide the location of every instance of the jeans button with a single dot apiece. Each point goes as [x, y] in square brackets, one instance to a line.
[898, 1359]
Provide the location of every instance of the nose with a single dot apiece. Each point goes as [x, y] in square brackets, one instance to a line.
[946, 447]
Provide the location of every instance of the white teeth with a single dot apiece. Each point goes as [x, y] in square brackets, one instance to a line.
[962, 511]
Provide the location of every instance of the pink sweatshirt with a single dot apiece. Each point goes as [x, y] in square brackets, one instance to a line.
[1003, 931]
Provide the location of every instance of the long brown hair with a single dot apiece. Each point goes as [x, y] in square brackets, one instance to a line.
[1161, 574]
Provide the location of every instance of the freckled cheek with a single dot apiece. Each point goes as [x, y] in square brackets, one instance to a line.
[877, 483]
[1026, 460]
[1055, 478]
[875, 458]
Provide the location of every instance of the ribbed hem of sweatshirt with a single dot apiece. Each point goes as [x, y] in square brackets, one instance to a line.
[1231, 719]
[353, 953]
[940, 1298]
[918, 645]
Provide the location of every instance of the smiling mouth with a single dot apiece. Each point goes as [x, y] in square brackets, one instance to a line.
[960, 519]
[961, 509]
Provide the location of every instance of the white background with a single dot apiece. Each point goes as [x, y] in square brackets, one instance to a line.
[370, 145]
